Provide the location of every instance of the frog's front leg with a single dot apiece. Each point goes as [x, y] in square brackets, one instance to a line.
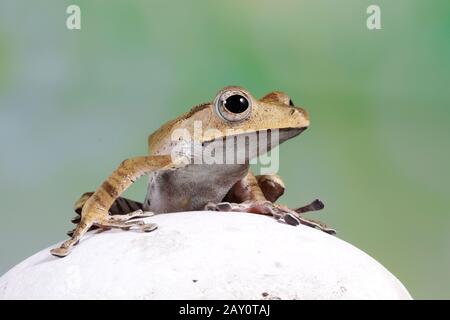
[122, 206]
[95, 211]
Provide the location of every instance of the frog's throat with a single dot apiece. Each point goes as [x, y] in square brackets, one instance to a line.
[252, 144]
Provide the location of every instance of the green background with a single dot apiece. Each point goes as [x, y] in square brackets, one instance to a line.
[74, 104]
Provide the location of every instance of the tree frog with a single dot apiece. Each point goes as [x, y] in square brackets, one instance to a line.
[179, 182]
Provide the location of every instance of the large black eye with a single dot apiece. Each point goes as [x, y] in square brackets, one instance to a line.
[233, 104]
[236, 103]
[291, 103]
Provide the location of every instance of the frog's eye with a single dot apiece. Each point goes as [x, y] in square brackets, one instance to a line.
[233, 105]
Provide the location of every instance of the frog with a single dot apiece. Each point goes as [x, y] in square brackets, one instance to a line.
[179, 182]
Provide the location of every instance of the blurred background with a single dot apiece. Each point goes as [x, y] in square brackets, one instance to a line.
[75, 103]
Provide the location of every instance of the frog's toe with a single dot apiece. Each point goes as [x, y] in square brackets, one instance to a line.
[210, 206]
[221, 206]
[224, 206]
[291, 219]
[149, 227]
[316, 205]
[60, 252]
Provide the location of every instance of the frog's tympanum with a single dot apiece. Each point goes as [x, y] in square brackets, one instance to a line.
[179, 182]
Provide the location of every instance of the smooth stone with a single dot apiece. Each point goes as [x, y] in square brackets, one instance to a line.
[205, 255]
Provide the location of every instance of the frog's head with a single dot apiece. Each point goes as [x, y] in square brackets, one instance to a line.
[235, 112]
[236, 108]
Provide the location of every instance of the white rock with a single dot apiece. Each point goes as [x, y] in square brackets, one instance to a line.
[205, 255]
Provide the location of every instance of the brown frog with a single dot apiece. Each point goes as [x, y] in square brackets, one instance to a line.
[181, 180]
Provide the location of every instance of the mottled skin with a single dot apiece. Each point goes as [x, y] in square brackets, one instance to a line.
[177, 184]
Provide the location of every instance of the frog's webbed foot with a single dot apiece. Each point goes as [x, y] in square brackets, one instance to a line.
[67, 245]
[123, 221]
[105, 221]
[279, 212]
[128, 221]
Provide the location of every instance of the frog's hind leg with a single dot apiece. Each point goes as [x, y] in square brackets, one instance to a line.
[120, 206]
[279, 212]
[271, 185]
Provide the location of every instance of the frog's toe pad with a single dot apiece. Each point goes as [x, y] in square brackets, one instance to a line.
[291, 220]
[149, 227]
[60, 252]
[222, 206]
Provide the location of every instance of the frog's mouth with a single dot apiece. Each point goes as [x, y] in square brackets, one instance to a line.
[249, 145]
[288, 133]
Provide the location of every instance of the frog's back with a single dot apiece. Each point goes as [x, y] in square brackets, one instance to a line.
[160, 142]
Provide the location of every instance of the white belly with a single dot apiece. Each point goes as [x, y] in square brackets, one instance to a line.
[191, 187]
